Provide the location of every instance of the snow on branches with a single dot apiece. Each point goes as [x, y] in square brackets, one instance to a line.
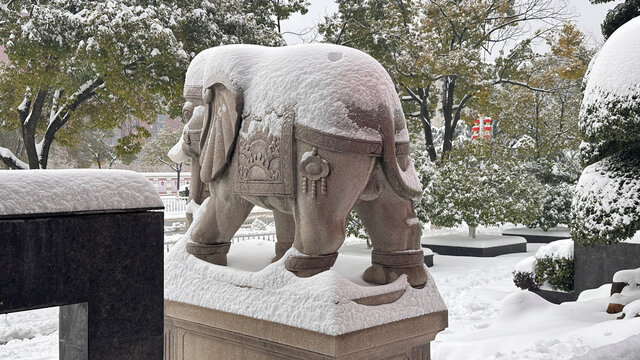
[108, 61]
[479, 185]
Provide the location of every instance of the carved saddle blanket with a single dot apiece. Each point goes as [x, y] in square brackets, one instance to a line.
[265, 157]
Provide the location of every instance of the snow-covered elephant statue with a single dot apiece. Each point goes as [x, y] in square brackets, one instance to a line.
[310, 132]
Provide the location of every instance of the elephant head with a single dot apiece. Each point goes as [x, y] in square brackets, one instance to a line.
[189, 147]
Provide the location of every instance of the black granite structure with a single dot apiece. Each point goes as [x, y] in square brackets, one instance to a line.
[456, 250]
[107, 267]
[595, 266]
[557, 297]
[428, 260]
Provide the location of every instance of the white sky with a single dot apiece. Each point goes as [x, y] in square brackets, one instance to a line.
[588, 17]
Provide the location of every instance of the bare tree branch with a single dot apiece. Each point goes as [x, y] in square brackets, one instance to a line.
[524, 85]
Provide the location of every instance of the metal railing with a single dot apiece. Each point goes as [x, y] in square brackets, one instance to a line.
[265, 236]
[174, 204]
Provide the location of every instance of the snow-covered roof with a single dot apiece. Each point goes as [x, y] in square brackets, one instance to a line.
[323, 83]
[610, 108]
[62, 191]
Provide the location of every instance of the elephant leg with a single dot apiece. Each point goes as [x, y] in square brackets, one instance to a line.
[321, 208]
[222, 217]
[285, 233]
[395, 234]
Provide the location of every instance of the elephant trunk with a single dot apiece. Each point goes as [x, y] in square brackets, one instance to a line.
[197, 193]
[398, 166]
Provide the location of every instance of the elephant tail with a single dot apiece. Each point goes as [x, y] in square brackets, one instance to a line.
[398, 166]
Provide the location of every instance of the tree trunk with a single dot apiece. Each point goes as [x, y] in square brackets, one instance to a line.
[426, 124]
[178, 170]
[447, 112]
[30, 119]
[472, 231]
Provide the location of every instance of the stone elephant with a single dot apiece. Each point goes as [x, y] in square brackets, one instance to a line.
[310, 132]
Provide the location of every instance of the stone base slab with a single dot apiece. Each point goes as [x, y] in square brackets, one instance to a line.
[481, 246]
[193, 332]
[538, 236]
[557, 297]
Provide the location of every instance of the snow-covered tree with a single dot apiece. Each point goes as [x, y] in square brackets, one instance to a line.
[548, 120]
[155, 151]
[110, 60]
[619, 15]
[558, 177]
[478, 183]
[606, 207]
[438, 51]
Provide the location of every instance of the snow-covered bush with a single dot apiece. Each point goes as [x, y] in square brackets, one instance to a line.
[478, 184]
[557, 272]
[523, 275]
[606, 207]
[556, 206]
[559, 178]
[551, 267]
[356, 229]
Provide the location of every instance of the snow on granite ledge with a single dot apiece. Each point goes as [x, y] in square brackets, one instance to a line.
[322, 303]
[61, 191]
[481, 241]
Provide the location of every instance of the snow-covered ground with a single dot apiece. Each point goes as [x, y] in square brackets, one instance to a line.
[29, 335]
[489, 318]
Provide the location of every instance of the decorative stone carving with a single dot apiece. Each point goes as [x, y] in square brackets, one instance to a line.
[309, 144]
[263, 160]
[313, 168]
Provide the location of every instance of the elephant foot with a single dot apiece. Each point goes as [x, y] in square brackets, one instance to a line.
[214, 253]
[306, 266]
[281, 249]
[388, 266]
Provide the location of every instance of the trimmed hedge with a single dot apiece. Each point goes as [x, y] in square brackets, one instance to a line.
[557, 272]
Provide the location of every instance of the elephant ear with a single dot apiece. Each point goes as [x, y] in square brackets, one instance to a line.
[223, 110]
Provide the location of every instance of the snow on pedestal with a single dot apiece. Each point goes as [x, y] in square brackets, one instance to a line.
[322, 303]
[62, 191]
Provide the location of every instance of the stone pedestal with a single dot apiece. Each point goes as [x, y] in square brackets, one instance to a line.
[194, 333]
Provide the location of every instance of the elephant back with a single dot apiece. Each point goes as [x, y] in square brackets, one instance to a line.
[334, 92]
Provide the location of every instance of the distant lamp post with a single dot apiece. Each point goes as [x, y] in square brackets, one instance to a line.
[484, 131]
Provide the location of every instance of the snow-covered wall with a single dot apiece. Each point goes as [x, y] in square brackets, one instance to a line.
[61, 191]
